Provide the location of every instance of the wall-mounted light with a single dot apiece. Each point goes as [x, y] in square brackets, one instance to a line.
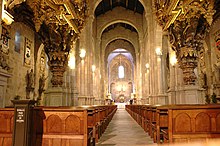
[82, 53]
[158, 51]
[173, 59]
[147, 65]
[72, 61]
[93, 68]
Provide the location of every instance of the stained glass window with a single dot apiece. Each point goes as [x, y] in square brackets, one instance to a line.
[121, 72]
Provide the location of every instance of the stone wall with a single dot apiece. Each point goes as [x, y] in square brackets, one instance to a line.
[19, 66]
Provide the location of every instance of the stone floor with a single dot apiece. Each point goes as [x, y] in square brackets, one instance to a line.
[124, 131]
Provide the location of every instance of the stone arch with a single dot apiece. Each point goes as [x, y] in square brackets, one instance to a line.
[96, 3]
[37, 66]
[108, 37]
[120, 86]
[120, 43]
[135, 20]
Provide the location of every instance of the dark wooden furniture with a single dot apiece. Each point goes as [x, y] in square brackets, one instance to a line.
[184, 123]
[6, 126]
[178, 123]
[60, 126]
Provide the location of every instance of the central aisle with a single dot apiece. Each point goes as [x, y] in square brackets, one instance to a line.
[124, 131]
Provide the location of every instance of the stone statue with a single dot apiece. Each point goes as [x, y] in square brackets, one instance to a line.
[216, 74]
[30, 82]
[30, 78]
[42, 81]
[203, 80]
[3, 63]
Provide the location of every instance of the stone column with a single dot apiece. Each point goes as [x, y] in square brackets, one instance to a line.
[57, 46]
[187, 23]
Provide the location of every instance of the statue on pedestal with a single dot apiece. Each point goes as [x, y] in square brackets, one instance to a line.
[41, 89]
[29, 82]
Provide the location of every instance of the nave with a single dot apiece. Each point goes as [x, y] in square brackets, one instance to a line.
[123, 130]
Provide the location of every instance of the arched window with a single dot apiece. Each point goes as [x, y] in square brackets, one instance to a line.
[121, 72]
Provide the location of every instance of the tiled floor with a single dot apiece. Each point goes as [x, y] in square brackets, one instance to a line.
[124, 131]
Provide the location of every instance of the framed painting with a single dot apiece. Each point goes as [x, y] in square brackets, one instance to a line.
[27, 52]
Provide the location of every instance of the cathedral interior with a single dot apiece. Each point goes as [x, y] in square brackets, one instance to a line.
[103, 52]
[91, 52]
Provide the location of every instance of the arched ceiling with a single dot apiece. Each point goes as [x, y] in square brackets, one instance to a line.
[125, 25]
[107, 5]
[217, 8]
[123, 52]
[120, 44]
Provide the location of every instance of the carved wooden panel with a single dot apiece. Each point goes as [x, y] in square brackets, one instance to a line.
[54, 124]
[70, 121]
[164, 118]
[182, 123]
[203, 122]
[6, 126]
[218, 122]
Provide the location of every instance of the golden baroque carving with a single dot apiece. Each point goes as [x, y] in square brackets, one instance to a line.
[57, 40]
[187, 22]
[58, 23]
[62, 12]
[167, 11]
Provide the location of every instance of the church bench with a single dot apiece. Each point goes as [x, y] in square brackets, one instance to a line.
[145, 115]
[6, 126]
[152, 123]
[95, 122]
[107, 112]
[184, 123]
[61, 126]
[162, 124]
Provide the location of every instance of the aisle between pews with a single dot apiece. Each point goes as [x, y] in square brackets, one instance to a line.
[124, 131]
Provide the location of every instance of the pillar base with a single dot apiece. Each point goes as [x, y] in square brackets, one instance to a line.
[158, 99]
[57, 96]
[190, 94]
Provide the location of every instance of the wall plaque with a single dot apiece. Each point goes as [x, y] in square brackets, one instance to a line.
[20, 115]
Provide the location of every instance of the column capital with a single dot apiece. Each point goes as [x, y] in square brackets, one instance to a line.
[57, 43]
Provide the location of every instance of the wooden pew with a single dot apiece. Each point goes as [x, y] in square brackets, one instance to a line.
[105, 116]
[99, 123]
[184, 123]
[100, 118]
[6, 126]
[61, 126]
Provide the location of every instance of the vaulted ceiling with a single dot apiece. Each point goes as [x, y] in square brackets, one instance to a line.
[217, 8]
[126, 26]
[107, 5]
